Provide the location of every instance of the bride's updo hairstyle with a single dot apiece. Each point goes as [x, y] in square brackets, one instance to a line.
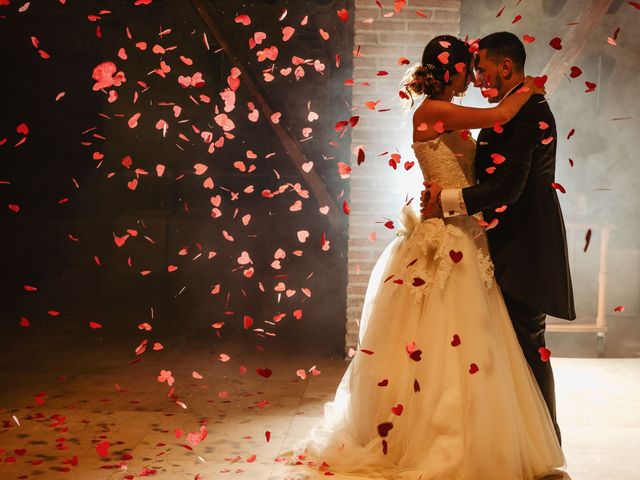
[429, 78]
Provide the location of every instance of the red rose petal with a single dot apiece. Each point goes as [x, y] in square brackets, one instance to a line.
[587, 240]
[416, 355]
[455, 256]
[540, 81]
[103, 448]
[497, 158]
[545, 354]
[264, 372]
[343, 14]
[489, 92]
[444, 58]
[243, 19]
[383, 429]
[556, 43]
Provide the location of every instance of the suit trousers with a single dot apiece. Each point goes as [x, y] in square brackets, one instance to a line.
[529, 325]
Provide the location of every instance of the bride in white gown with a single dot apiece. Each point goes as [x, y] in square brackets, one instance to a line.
[439, 388]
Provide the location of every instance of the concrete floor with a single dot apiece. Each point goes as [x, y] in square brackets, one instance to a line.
[62, 395]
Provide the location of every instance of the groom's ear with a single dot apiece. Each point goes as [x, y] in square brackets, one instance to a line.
[506, 68]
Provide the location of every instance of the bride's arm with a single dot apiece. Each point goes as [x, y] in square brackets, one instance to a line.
[455, 117]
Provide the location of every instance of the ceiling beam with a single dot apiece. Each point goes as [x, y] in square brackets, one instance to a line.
[574, 43]
[290, 144]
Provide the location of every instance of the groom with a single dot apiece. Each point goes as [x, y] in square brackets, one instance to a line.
[515, 167]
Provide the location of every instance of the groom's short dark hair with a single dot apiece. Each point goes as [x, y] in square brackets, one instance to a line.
[502, 45]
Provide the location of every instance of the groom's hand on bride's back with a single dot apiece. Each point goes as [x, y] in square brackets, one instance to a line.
[430, 206]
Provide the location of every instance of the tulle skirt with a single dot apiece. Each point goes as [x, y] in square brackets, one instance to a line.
[439, 388]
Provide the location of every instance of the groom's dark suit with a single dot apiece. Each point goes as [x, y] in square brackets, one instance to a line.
[528, 245]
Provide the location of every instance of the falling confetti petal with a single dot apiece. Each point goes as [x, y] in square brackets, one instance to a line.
[556, 43]
[103, 448]
[545, 354]
[587, 240]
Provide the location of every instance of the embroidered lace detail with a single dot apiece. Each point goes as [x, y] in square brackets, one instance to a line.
[431, 264]
[448, 161]
[486, 268]
[418, 270]
[442, 254]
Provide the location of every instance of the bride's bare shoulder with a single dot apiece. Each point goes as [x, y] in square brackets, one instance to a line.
[423, 117]
[429, 109]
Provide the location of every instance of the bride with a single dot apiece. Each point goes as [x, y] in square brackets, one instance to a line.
[439, 388]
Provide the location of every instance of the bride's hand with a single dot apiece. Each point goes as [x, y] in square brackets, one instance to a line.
[529, 82]
[430, 206]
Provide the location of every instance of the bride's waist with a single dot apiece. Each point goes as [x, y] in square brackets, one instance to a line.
[458, 221]
[449, 184]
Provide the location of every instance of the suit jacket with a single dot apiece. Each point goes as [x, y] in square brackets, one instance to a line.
[528, 245]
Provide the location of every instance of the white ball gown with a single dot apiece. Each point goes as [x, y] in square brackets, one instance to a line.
[439, 388]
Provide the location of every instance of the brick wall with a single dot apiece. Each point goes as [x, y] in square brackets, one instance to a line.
[377, 190]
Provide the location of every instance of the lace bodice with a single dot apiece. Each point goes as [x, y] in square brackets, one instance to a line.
[447, 160]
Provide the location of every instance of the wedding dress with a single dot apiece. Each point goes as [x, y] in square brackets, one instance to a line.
[439, 388]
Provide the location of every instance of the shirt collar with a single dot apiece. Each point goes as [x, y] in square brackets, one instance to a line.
[514, 88]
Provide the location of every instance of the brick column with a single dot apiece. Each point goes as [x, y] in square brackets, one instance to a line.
[377, 190]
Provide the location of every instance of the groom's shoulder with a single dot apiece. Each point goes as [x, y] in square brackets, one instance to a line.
[538, 104]
[536, 109]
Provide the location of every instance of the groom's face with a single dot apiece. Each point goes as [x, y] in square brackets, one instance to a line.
[488, 75]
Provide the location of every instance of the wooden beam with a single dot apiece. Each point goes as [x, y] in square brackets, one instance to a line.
[290, 144]
[574, 42]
